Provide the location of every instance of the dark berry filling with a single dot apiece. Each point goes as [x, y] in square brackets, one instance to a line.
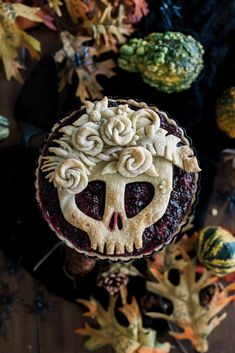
[91, 200]
[137, 196]
[178, 207]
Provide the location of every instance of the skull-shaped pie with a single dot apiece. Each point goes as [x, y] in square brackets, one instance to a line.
[117, 179]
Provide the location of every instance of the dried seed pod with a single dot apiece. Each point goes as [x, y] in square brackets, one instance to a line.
[78, 264]
[112, 281]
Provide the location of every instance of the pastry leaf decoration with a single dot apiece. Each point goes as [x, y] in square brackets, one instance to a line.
[109, 134]
[12, 37]
[132, 339]
[196, 320]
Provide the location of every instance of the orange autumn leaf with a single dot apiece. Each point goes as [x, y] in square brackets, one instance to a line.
[91, 305]
[81, 9]
[76, 8]
[151, 350]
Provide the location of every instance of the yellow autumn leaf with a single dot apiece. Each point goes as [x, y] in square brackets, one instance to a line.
[12, 37]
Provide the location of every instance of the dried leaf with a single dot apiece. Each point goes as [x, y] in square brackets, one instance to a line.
[79, 58]
[91, 305]
[82, 9]
[12, 37]
[109, 31]
[77, 9]
[47, 19]
[230, 278]
[56, 5]
[131, 339]
[196, 320]
[135, 9]
[88, 84]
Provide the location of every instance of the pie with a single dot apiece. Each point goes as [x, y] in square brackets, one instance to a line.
[117, 179]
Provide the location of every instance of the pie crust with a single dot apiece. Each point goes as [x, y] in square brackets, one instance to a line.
[116, 142]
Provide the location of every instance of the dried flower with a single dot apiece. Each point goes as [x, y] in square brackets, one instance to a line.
[78, 264]
[116, 276]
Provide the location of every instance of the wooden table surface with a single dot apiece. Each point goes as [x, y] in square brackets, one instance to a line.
[27, 331]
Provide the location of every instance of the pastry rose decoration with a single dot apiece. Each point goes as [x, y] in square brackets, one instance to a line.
[146, 122]
[87, 139]
[122, 139]
[71, 175]
[117, 131]
[134, 161]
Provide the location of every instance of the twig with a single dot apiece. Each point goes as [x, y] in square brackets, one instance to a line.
[47, 255]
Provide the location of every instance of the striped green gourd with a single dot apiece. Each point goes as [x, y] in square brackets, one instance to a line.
[216, 250]
[4, 128]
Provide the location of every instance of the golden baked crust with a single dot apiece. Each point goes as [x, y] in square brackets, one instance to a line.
[117, 145]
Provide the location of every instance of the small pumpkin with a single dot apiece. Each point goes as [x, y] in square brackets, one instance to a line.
[169, 61]
[216, 250]
[225, 112]
[4, 128]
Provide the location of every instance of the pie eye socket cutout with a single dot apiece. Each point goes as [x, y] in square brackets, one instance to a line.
[91, 200]
[137, 196]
